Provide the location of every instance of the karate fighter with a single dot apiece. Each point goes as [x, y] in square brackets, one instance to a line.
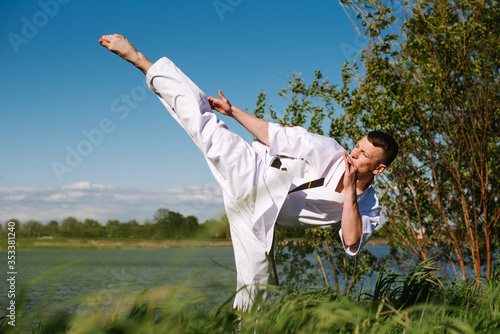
[289, 177]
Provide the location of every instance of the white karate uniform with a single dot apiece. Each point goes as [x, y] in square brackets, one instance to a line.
[256, 194]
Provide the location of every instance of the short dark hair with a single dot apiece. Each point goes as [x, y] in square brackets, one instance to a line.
[387, 143]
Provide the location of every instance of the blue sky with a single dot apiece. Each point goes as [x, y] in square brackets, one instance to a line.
[66, 101]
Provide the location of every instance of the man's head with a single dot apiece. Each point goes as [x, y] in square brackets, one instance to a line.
[387, 143]
[374, 153]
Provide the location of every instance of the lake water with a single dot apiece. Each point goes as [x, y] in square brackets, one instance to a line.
[207, 271]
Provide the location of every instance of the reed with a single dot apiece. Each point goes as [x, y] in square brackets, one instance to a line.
[414, 303]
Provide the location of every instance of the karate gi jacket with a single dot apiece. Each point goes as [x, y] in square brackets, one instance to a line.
[305, 157]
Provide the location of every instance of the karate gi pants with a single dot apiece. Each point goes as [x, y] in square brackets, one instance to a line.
[234, 163]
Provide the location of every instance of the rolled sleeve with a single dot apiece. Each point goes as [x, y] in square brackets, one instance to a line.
[369, 224]
[369, 210]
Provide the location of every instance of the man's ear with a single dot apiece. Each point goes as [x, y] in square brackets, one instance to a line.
[380, 169]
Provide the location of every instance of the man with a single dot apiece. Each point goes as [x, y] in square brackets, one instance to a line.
[290, 177]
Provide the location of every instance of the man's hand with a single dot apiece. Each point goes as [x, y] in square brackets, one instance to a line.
[222, 105]
[256, 126]
[351, 224]
[350, 175]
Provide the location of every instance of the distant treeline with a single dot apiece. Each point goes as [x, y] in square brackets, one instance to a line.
[166, 224]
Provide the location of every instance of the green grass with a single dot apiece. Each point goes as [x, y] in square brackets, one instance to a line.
[415, 303]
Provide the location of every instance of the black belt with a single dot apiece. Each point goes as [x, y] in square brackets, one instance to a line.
[312, 184]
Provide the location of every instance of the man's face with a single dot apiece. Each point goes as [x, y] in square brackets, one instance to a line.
[367, 158]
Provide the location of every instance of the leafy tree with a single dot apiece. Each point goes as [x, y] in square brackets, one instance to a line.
[215, 228]
[136, 230]
[111, 226]
[172, 224]
[92, 229]
[128, 229]
[191, 226]
[123, 230]
[429, 75]
[70, 227]
[91, 223]
[168, 223]
[148, 229]
[436, 87]
[53, 227]
[161, 214]
[32, 229]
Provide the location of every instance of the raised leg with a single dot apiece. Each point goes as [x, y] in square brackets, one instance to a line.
[123, 48]
[234, 163]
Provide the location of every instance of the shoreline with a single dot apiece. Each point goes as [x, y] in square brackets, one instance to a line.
[63, 243]
[128, 243]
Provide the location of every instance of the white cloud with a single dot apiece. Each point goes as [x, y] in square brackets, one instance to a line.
[84, 185]
[85, 200]
[14, 197]
[55, 197]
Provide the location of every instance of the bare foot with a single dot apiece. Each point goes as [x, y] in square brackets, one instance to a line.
[123, 48]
